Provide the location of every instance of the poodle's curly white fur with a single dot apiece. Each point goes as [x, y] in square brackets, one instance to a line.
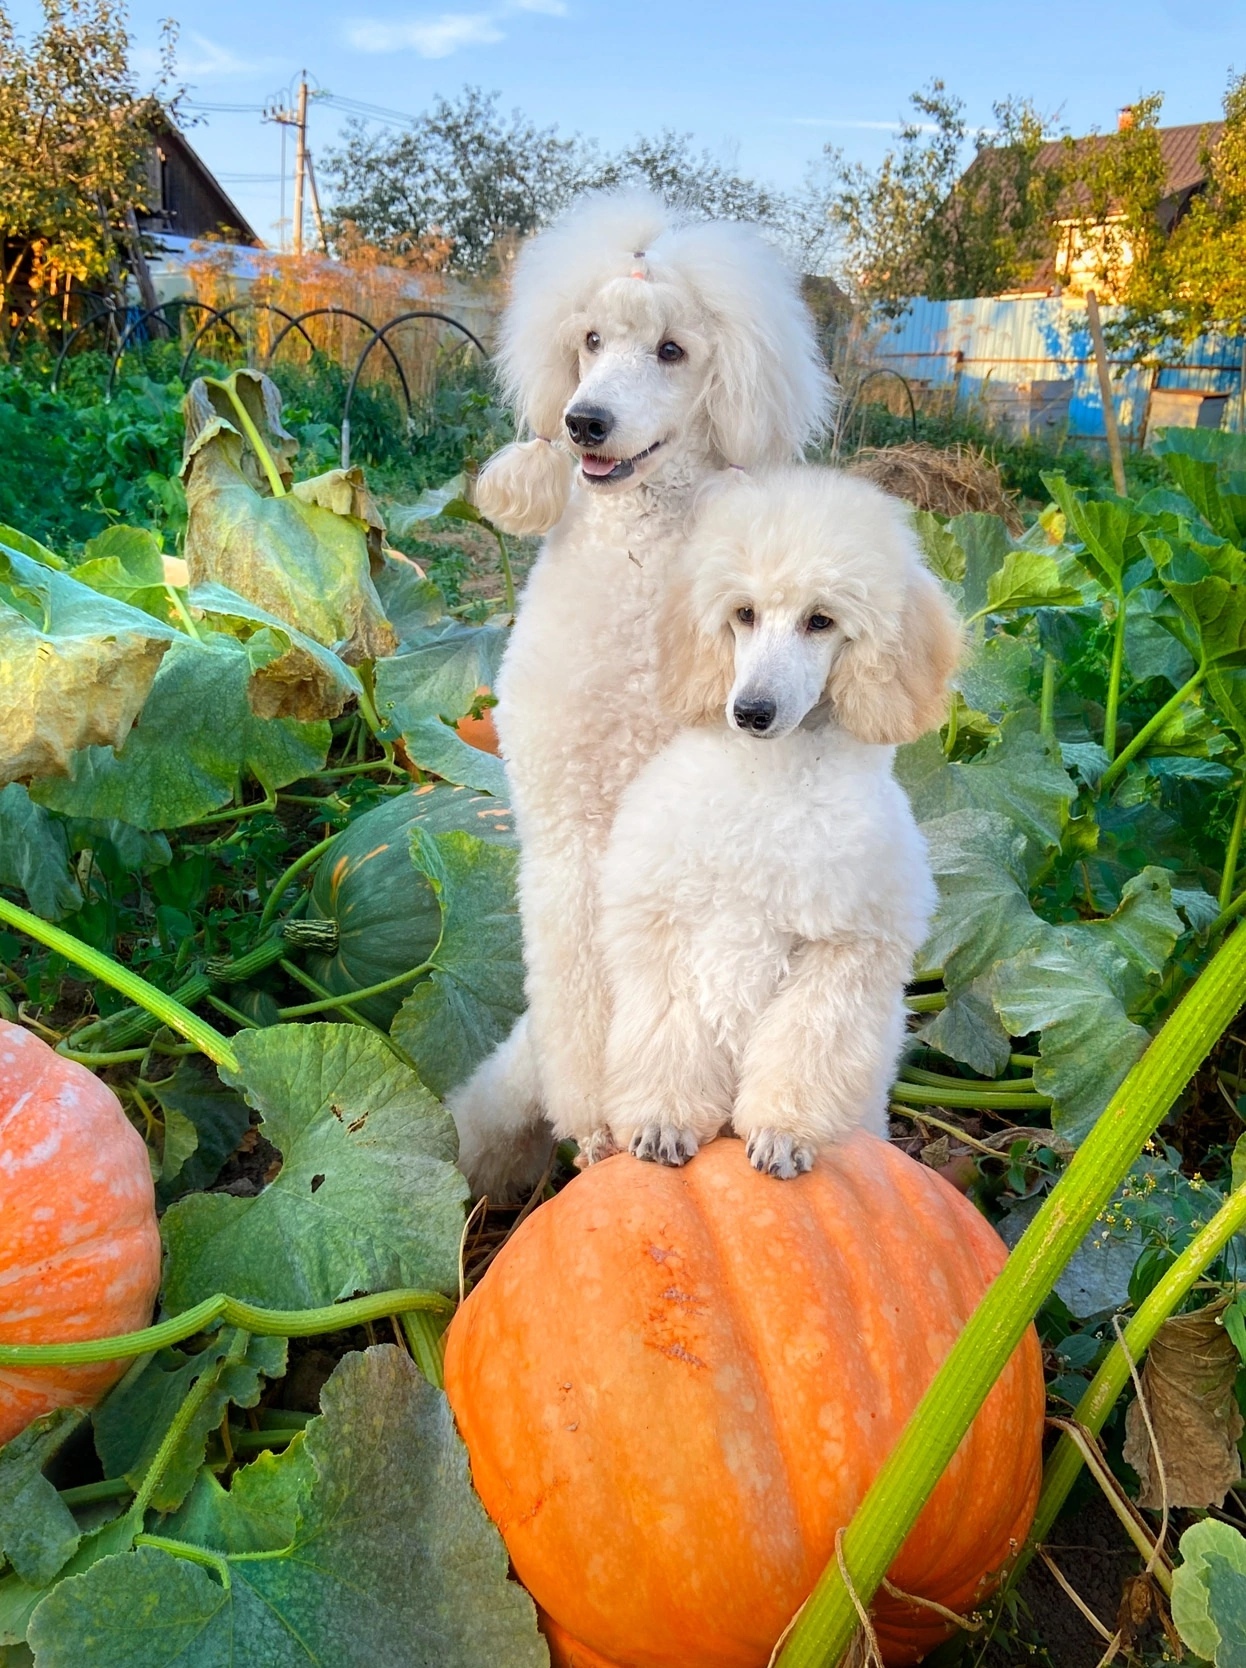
[644, 356]
[765, 885]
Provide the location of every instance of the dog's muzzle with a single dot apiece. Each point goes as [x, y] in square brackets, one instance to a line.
[599, 469]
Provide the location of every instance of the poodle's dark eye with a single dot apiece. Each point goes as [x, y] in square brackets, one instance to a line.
[745, 616]
[592, 341]
[819, 622]
[670, 353]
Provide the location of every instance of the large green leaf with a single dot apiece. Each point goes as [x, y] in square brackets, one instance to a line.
[132, 1421]
[434, 746]
[126, 563]
[1030, 579]
[259, 1510]
[301, 561]
[75, 667]
[458, 1015]
[183, 758]
[34, 855]
[1108, 529]
[367, 1197]
[1209, 467]
[293, 675]
[1088, 1041]
[38, 1534]
[1209, 1593]
[392, 1562]
[439, 673]
[985, 543]
[1020, 777]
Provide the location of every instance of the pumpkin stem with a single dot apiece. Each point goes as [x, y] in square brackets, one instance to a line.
[826, 1626]
[166, 1009]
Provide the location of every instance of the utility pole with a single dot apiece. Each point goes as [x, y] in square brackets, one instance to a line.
[300, 162]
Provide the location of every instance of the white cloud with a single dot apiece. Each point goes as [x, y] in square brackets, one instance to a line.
[433, 37]
[439, 37]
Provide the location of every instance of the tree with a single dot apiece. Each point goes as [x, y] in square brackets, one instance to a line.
[923, 224]
[464, 181]
[1178, 279]
[74, 131]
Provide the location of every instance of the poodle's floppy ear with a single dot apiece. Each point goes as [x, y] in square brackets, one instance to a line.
[523, 489]
[769, 392]
[894, 688]
[696, 667]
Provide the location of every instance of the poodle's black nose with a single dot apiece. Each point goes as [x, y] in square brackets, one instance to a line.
[589, 425]
[756, 715]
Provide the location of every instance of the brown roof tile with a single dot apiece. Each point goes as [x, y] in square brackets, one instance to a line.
[1181, 148]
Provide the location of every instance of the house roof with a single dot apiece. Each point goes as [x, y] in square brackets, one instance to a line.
[1181, 148]
[186, 196]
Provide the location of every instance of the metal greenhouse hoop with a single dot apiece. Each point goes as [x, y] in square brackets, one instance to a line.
[104, 305]
[224, 314]
[345, 313]
[187, 303]
[379, 335]
[108, 311]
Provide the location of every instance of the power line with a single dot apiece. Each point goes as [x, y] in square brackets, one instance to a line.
[374, 112]
[224, 109]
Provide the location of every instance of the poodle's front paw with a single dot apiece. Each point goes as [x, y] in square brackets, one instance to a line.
[664, 1144]
[776, 1154]
[594, 1147]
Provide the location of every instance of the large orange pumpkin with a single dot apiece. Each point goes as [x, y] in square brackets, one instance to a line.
[79, 1245]
[676, 1386]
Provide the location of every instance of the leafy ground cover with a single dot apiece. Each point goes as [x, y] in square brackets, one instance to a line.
[251, 875]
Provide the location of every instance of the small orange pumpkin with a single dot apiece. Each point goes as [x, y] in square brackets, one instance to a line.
[481, 732]
[79, 1244]
[675, 1386]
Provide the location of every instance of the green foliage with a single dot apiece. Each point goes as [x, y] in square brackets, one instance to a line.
[375, 1549]
[923, 224]
[1209, 1593]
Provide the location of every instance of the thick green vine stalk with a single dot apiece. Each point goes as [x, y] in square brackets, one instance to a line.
[165, 1008]
[826, 1626]
[229, 1311]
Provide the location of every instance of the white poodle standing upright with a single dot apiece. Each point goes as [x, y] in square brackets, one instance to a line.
[766, 886]
[643, 355]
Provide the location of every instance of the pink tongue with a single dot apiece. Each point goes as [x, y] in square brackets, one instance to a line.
[597, 466]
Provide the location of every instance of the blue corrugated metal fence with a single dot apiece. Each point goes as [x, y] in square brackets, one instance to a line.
[972, 344]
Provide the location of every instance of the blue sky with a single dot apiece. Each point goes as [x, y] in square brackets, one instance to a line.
[765, 86]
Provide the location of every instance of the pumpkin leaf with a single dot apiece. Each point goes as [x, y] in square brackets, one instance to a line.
[392, 1560]
[439, 673]
[38, 1534]
[292, 676]
[19, 1599]
[127, 563]
[985, 543]
[209, 403]
[75, 667]
[434, 746]
[474, 994]
[1108, 529]
[1209, 1593]
[131, 1422]
[1020, 777]
[1029, 579]
[304, 563]
[182, 759]
[34, 855]
[968, 1030]
[984, 915]
[258, 1512]
[411, 601]
[1187, 1380]
[367, 1197]
[215, 1116]
[1088, 1041]
[403, 519]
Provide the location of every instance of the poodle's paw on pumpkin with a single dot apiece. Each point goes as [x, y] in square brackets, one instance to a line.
[594, 1147]
[775, 1153]
[664, 1144]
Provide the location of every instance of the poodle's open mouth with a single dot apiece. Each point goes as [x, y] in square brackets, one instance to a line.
[602, 470]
